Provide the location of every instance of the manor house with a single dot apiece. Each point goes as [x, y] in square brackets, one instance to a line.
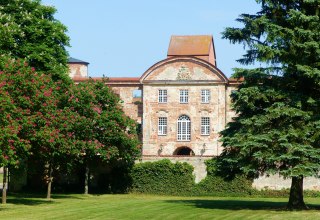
[181, 102]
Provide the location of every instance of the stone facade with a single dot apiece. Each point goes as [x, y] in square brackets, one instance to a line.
[165, 78]
[190, 66]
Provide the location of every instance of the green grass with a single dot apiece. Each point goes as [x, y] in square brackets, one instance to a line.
[147, 207]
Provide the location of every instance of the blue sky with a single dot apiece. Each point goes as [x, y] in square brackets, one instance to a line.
[124, 38]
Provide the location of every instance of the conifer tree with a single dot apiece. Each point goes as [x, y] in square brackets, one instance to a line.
[276, 130]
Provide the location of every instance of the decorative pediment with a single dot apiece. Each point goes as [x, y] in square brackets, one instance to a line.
[183, 70]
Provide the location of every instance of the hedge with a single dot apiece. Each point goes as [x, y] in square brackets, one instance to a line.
[162, 177]
[165, 177]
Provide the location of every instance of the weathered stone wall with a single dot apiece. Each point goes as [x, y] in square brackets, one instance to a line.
[200, 144]
[132, 105]
[275, 182]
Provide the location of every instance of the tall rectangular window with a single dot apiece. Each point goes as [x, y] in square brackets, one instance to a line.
[162, 126]
[184, 96]
[205, 126]
[162, 96]
[205, 95]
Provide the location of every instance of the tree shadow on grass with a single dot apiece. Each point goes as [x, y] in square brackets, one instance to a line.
[36, 199]
[28, 201]
[238, 204]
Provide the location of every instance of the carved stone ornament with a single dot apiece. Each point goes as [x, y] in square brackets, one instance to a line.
[184, 73]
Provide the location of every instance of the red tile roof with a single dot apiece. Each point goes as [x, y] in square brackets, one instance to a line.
[200, 46]
[110, 80]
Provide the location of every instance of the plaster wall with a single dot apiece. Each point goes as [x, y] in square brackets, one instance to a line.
[78, 70]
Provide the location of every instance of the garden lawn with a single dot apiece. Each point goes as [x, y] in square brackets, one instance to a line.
[145, 207]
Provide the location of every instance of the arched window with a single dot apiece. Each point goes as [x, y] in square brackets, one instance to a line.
[184, 128]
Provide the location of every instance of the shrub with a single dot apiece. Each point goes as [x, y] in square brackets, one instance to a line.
[216, 185]
[163, 177]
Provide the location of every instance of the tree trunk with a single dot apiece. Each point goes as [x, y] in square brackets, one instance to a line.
[86, 179]
[4, 186]
[49, 180]
[296, 200]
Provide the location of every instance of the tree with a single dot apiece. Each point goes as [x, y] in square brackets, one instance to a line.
[28, 30]
[33, 124]
[12, 147]
[277, 126]
[105, 131]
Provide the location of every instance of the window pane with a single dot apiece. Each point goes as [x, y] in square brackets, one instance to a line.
[205, 126]
[162, 126]
[184, 96]
[162, 96]
[205, 95]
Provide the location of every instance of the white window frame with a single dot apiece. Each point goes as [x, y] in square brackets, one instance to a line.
[162, 126]
[184, 128]
[205, 96]
[184, 95]
[162, 96]
[205, 126]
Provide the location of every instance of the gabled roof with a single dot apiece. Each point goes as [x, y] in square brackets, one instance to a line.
[74, 60]
[200, 46]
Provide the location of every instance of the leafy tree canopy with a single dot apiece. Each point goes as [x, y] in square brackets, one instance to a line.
[104, 128]
[28, 30]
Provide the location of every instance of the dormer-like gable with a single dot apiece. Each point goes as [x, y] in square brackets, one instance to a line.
[200, 46]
